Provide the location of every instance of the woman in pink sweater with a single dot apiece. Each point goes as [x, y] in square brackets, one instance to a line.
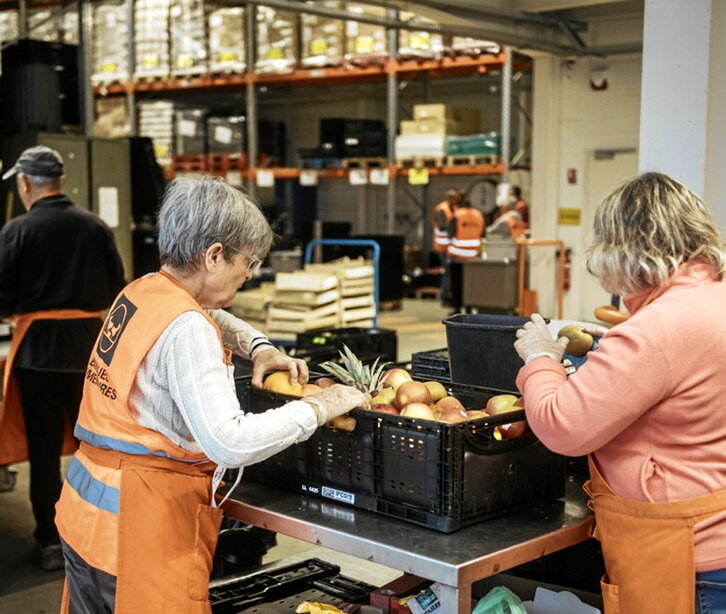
[649, 405]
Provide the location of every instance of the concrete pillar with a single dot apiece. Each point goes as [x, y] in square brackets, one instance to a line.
[682, 130]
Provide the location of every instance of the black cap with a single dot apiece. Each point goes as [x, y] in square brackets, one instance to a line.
[39, 161]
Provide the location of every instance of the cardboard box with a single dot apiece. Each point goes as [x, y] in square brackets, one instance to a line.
[389, 594]
[433, 111]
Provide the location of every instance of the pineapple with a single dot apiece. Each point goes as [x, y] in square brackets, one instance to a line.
[366, 378]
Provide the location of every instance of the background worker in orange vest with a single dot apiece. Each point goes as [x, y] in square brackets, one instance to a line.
[59, 268]
[465, 232]
[520, 205]
[440, 219]
[509, 224]
[160, 420]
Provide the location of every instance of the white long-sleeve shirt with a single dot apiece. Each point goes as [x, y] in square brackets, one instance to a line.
[185, 392]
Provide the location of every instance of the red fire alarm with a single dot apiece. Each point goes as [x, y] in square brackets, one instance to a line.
[571, 175]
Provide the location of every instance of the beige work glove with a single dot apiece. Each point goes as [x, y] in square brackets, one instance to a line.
[535, 340]
[336, 401]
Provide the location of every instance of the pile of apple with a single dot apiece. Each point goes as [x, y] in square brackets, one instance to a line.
[430, 401]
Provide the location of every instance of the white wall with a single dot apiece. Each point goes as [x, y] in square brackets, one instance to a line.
[571, 121]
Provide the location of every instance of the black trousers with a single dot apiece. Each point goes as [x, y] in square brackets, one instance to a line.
[48, 398]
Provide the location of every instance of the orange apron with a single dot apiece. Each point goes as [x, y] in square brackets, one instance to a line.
[13, 442]
[648, 548]
[167, 533]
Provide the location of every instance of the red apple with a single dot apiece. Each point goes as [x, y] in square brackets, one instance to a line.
[418, 410]
[452, 415]
[324, 382]
[395, 377]
[503, 403]
[447, 402]
[412, 392]
[384, 408]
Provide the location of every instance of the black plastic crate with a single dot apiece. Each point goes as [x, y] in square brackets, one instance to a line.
[284, 588]
[432, 364]
[439, 475]
[366, 343]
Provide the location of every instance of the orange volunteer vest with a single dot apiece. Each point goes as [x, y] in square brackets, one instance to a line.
[466, 230]
[648, 548]
[134, 502]
[441, 216]
[13, 441]
[516, 226]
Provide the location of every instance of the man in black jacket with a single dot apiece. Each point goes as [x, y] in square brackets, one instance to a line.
[59, 268]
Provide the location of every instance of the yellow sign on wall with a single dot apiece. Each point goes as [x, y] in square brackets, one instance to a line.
[568, 217]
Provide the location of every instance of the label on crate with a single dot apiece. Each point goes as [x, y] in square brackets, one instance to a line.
[275, 53]
[418, 176]
[228, 56]
[308, 176]
[332, 493]
[109, 67]
[364, 44]
[379, 176]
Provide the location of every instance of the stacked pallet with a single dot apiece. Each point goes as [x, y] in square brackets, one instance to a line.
[253, 305]
[356, 283]
[302, 301]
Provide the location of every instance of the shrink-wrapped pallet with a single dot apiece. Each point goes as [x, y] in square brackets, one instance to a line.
[43, 25]
[227, 40]
[8, 27]
[364, 41]
[421, 44]
[466, 45]
[187, 21]
[110, 61]
[226, 134]
[112, 118]
[277, 41]
[323, 38]
[151, 36]
[156, 120]
[416, 146]
[190, 131]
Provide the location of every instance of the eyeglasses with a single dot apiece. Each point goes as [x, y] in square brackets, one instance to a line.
[253, 263]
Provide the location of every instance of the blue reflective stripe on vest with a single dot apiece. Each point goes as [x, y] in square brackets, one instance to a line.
[90, 489]
[111, 443]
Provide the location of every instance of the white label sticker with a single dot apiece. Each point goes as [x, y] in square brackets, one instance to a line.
[358, 176]
[187, 127]
[223, 134]
[379, 176]
[265, 178]
[338, 495]
[308, 176]
[108, 205]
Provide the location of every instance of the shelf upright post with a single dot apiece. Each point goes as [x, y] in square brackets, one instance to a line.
[506, 111]
[426, 193]
[392, 102]
[84, 66]
[251, 47]
[131, 54]
[22, 18]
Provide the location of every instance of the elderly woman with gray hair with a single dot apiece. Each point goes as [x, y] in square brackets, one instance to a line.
[160, 421]
[648, 405]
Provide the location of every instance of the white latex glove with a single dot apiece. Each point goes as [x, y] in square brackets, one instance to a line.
[337, 400]
[535, 340]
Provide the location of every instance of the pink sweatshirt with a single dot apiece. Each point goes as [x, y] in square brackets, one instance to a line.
[650, 402]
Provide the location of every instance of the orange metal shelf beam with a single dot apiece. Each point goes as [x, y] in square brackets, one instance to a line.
[319, 76]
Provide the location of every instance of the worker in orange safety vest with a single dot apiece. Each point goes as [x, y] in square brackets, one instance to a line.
[441, 218]
[465, 232]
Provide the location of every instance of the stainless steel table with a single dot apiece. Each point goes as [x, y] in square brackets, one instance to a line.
[456, 560]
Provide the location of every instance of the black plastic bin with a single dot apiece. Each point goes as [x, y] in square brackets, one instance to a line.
[481, 349]
[366, 343]
[438, 475]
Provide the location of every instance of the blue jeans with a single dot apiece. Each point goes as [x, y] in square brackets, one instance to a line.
[711, 592]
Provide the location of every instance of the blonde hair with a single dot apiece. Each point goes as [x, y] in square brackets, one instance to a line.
[646, 229]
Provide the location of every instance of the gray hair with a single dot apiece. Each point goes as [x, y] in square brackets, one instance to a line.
[43, 182]
[196, 213]
[646, 229]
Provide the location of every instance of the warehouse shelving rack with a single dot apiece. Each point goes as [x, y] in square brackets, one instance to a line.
[392, 71]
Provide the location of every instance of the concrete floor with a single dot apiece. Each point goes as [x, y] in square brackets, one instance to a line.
[26, 590]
